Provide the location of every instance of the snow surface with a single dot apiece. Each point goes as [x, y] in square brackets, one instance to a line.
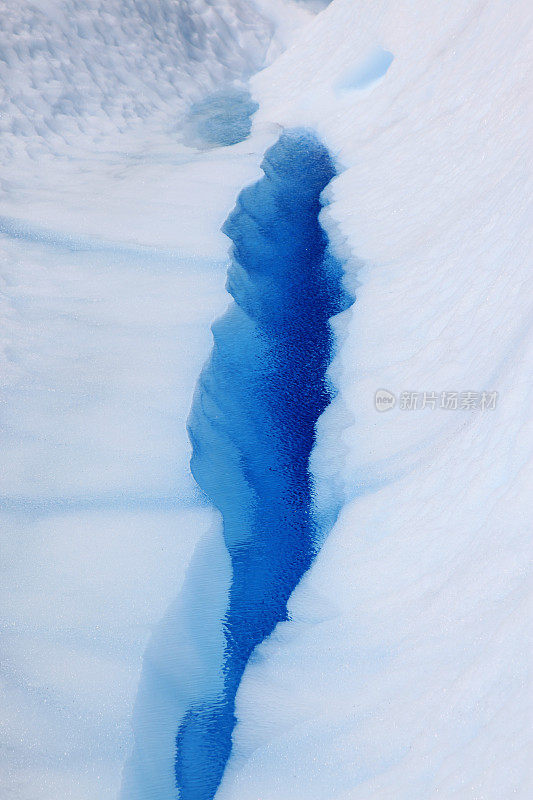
[78, 71]
[99, 513]
[403, 672]
[112, 268]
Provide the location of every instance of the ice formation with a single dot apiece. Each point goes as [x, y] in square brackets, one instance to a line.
[400, 671]
[80, 71]
[253, 424]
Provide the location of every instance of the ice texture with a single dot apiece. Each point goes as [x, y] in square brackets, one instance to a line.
[82, 72]
[403, 671]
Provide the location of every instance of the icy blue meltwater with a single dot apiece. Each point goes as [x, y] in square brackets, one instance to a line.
[252, 424]
[221, 119]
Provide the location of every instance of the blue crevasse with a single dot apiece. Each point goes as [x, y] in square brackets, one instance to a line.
[252, 424]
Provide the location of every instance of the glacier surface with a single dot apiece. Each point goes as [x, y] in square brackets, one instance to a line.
[401, 669]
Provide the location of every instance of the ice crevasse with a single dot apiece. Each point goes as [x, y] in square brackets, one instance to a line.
[252, 429]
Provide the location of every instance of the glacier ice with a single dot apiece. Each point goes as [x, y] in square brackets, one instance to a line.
[81, 74]
[401, 670]
[112, 270]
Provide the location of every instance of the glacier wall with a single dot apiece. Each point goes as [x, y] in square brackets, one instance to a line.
[402, 672]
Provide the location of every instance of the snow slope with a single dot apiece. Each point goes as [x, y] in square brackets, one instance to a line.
[111, 272]
[76, 72]
[403, 672]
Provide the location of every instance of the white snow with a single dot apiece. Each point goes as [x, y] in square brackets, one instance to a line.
[99, 513]
[404, 670]
[112, 268]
